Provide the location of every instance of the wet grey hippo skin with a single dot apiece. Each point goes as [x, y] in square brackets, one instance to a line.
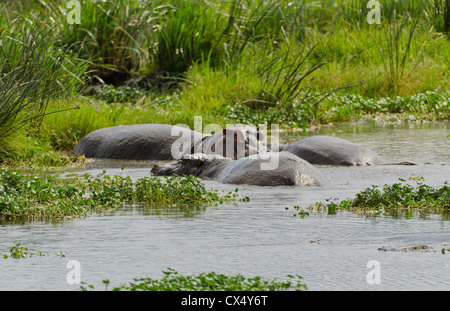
[167, 142]
[289, 171]
[135, 142]
[234, 142]
[327, 150]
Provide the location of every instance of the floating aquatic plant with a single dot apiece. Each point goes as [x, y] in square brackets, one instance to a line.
[173, 281]
[26, 198]
[394, 198]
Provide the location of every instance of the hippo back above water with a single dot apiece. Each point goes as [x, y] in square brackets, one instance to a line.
[267, 169]
[327, 150]
[138, 142]
[167, 142]
[171, 142]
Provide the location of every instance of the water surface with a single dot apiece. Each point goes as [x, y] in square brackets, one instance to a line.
[260, 237]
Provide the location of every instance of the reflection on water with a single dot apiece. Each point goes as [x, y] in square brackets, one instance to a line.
[260, 237]
[173, 211]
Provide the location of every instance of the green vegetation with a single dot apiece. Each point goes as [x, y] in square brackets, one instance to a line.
[300, 211]
[395, 199]
[28, 198]
[292, 63]
[428, 106]
[17, 251]
[32, 71]
[29, 152]
[173, 281]
[296, 64]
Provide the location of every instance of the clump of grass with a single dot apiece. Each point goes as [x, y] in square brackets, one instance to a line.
[32, 71]
[111, 36]
[395, 47]
[30, 198]
[439, 14]
[394, 198]
[173, 281]
[188, 31]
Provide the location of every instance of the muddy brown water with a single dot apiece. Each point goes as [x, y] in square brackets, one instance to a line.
[259, 237]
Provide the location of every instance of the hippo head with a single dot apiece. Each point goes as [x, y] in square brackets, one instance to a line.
[195, 164]
[235, 142]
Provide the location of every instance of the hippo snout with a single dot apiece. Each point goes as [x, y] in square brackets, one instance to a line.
[188, 165]
[165, 169]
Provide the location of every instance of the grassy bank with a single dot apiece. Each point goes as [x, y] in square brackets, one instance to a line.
[297, 64]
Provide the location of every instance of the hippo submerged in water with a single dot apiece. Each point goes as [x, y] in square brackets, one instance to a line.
[265, 169]
[233, 155]
[166, 142]
[134, 142]
[326, 150]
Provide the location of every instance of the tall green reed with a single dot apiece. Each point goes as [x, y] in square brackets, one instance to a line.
[395, 39]
[187, 32]
[354, 12]
[438, 13]
[112, 36]
[32, 70]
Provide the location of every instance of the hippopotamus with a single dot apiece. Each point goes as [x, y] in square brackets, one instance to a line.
[138, 142]
[235, 142]
[327, 150]
[172, 142]
[168, 142]
[264, 169]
